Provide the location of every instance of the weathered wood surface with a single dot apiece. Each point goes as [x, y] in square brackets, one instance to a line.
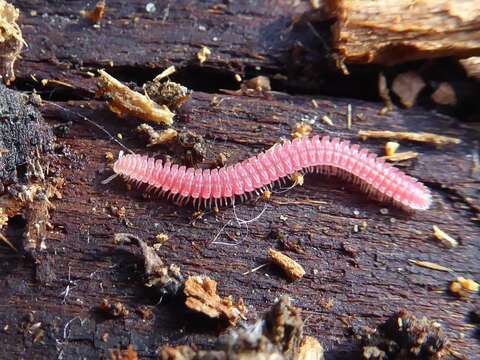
[366, 274]
[396, 31]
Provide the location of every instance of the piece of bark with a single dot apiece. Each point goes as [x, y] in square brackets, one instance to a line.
[396, 31]
[444, 95]
[407, 86]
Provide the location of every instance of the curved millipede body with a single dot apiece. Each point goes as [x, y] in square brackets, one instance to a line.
[331, 157]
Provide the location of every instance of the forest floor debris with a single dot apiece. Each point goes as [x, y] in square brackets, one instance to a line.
[424, 137]
[403, 336]
[202, 296]
[11, 40]
[278, 335]
[124, 101]
[292, 269]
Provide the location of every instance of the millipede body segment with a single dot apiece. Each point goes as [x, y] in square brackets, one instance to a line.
[259, 173]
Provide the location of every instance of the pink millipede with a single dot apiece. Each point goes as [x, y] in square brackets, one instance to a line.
[259, 173]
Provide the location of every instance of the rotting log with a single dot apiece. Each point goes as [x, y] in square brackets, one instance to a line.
[351, 277]
[396, 31]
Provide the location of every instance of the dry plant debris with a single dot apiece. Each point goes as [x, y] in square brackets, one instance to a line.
[96, 14]
[201, 292]
[128, 354]
[290, 267]
[464, 287]
[168, 93]
[444, 95]
[301, 130]
[444, 238]
[278, 335]
[424, 137]
[157, 138]
[403, 336]
[391, 148]
[168, 280]
[310, 349]
[203, 54]
[327, 120]
[113, 309]
[407, 86]
[123, 101]
[430, 265]
[11, 40]
[402, 156]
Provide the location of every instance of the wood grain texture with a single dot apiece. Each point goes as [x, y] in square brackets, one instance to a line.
[391, 32]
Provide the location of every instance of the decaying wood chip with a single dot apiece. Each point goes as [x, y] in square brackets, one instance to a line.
[444, 95]
[300, 130]
[157, 138]
[391, 148]
[203, 54]
[168, 280]
[259, 83]
[168, 93]
[472, 66]
[403, 336]
[401, 156]
[128, 354]
[11, 40]
[444, 238]
[430, 265]
[113, 309]
[201, 292]
[384, 94]
[123, 101]
[310, 349]
[423, 137]
[326, 119]
[407, 86]
[464, 287]
[292, 269]
[96, 14]
[395, 31]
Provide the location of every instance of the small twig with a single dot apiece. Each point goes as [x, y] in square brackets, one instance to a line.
[6, 241]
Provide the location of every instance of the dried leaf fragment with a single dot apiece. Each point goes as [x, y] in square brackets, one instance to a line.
[292, 269]
[424, 137]
[123, 101]
[203, 54]
[444, 238]
[407, 86]
[201, 292]
[155, 137]
[11, 40]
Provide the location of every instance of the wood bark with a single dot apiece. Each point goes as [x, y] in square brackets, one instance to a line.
[395, 31]
[353, 276]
